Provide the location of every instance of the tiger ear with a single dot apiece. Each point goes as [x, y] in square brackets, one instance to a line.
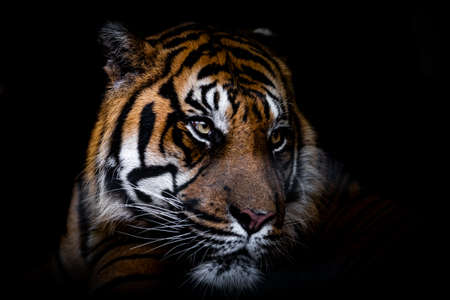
[274, 41]
[125, 52]
[264, 31]
[268, 37]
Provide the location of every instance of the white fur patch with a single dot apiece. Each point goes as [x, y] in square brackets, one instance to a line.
[219, 115]
[274, 107]
[237, 274]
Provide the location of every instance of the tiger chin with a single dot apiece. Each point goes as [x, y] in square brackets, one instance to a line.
[233, 272]
[199, 157]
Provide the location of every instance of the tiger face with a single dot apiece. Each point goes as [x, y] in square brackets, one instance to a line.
[200, 139]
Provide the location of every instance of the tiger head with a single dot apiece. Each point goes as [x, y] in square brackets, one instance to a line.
[199, 134]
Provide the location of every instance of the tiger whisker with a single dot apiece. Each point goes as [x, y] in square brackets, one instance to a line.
[163, 226]
[163, 245]
[159, 229]
[146, 205]
[184, 251]
[158, 239]
[192, 256]
[153, 212]
[154, 216]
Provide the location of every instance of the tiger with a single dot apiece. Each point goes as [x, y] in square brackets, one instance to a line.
[201, 171]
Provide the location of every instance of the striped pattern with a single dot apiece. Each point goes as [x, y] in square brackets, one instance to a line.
[161, 203]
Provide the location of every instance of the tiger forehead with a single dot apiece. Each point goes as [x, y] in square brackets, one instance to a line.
[223, 104]
[222, 75]
[230, 56]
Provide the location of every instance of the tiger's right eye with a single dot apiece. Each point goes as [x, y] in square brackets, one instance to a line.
[203, 130]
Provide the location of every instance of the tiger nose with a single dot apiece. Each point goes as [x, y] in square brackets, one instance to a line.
[251, 220]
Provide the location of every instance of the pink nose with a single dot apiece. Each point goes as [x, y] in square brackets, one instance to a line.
[251, 220]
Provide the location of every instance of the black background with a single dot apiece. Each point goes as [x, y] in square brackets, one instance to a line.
[369, 77]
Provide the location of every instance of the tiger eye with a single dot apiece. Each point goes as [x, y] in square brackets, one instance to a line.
[276, 137]
[202, 127]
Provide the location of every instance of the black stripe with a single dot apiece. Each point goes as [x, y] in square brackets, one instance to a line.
[244, 118]
[145, 130]
[138, 174]
[244, 54]
[167, 90]
[205, 89]
[177, 136]
[204, 228]
[205, 216]
[180, 29]
[285, 111]
[254, 47]
[172, 118]
[143, 196]
[129, 257]
[191, 203]
[169, 60]
[235, 107]
[116, 138]
[232, 94]
[253, 93]
[183, 186]
[204, 154]
[256, 111]
[194, 56]
[245, 81]
[210, 70]
[216, 100]
[179, 40]
[256, 75]
[195, 104]
[272, 95]
[190, 206]
[266, 108]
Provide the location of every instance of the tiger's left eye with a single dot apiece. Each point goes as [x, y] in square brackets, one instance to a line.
[277, 139]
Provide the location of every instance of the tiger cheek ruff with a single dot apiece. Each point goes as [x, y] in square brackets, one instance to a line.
[200, 163]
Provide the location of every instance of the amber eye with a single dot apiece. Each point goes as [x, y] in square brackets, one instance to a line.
[277, 139]
[202, 127]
